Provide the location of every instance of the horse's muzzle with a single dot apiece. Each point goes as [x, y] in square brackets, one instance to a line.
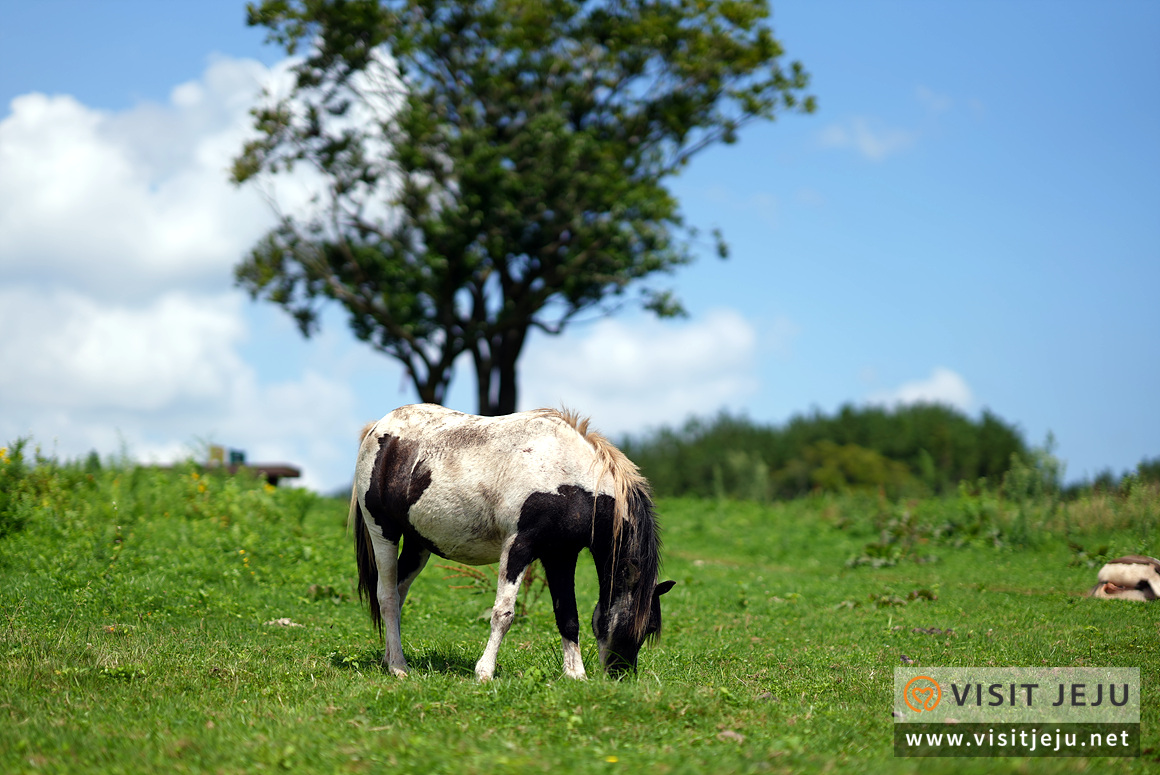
[618, 665]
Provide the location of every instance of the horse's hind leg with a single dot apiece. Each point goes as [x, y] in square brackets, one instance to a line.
[390, 601]
[411, 564]
[513, 562]
[560, 571]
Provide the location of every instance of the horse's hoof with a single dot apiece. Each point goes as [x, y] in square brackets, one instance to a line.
[398, 672]
[483, 677]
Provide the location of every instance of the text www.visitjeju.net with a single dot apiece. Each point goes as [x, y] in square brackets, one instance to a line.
[1018, 740]
[1017, 711]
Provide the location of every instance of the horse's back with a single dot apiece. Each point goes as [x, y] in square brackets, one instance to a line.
[461, 481]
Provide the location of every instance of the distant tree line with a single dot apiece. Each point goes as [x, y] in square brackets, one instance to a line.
[910, 450]
[1107, 481]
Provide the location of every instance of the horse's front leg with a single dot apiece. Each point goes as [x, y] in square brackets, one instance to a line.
[560, 571]
[390, 602]
[513, 562]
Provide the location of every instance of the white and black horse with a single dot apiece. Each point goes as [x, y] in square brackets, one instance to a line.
[512, 489]
[1134, 577]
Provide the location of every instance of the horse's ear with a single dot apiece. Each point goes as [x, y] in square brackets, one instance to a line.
[663, 587]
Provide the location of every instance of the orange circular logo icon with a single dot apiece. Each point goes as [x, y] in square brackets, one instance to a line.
[922, 693]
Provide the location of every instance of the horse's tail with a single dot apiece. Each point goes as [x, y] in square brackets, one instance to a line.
[368, 569]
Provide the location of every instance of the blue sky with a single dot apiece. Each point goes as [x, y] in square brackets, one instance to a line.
[972, 216]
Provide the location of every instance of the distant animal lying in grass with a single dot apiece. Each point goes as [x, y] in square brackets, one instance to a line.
[1134, 577]
[530, 486]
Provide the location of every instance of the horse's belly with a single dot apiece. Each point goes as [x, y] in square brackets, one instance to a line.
[466, 532]
[470, 554]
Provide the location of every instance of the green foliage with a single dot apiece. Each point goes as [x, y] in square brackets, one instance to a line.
[909, 450]
[496, 166]
[830, 467]
[1034, 475]
[12, 487]
[1033, 483]
[1022, 514]
[26, 485]
[1147, 472]
[187, 621]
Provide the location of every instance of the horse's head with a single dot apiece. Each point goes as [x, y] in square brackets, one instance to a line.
[620, 630]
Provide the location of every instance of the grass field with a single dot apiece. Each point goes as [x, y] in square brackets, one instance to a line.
[136, 634]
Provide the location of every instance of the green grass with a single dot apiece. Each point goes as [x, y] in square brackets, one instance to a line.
[134, 637]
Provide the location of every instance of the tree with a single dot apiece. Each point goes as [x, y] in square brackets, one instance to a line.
[494, 167]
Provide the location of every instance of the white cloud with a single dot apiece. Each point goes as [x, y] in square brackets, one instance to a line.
[118, 234]
[158, 379]
[308, 421]
[868, 137]
[124, 205]
[943, 386]
[628, 376]
[69, 350]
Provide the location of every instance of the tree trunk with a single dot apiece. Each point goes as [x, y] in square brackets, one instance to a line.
[432, 386]
[496, 375]
[429, 393]
[481, 355]
[509, 355]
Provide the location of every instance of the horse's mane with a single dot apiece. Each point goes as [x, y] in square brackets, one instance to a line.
[633, 509]
[626, 477]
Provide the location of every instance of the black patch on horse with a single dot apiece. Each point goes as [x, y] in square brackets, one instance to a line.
[553, 528]
[565, 519]
[398, 480]
[1146, 589]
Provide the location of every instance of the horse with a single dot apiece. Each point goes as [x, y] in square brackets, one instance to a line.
[513, 489]
[1134, 577]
